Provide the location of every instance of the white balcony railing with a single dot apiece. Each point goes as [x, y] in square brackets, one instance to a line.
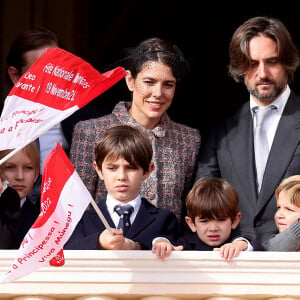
[139, 275]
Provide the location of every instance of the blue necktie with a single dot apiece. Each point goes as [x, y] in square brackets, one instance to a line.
[124, 211]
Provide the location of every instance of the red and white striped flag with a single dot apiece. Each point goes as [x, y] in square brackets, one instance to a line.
[64, 200]
[56, 85]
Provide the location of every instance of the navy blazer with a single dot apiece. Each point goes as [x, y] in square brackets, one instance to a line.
[150, 222]
[229, 153]
[9, 219]
[192, 242]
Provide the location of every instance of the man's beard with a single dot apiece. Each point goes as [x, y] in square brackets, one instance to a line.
[274, 93]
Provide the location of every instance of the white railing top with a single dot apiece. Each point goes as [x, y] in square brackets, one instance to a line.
[186, 274]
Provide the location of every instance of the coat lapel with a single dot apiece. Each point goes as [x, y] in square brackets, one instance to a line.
[240, 142]
[142, 220]
[285, 141]
[104, 210]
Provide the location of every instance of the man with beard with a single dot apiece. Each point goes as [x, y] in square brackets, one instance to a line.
[253, 155]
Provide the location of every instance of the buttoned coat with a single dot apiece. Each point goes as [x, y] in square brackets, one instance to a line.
[150, 222]
[192, 242]
[9, 219]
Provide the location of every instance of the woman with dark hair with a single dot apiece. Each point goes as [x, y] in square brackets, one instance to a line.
[154, 69]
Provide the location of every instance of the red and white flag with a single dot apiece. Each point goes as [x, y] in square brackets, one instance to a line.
[56, 85]
[64, 199]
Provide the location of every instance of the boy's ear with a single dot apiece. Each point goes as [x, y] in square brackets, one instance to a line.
[236, 220]
[190, 223]
[13, 74]
[97, 170]
[129, 81]
[150, 169]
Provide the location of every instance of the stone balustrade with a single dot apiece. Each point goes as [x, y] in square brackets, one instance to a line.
[112, 275]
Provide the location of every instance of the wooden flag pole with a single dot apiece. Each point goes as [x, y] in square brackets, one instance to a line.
[102, 218]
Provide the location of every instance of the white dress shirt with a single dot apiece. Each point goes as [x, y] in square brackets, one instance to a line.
[111, 203]
[47, 142]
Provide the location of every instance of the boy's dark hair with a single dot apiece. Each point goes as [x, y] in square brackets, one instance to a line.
[212, 198]
[127, 142]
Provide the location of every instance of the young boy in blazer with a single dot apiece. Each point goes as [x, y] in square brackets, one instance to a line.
[213, 216]
[123, 159]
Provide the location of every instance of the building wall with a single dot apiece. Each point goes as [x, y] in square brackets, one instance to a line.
[98, 31]
[20, 15]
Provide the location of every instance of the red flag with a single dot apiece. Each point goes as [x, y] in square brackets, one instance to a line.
[58, 260]
[64, 200]
[56, 85]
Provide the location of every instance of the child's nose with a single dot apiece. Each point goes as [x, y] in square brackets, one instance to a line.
[280, 214]
[121, 174]
[20, 174]
[212, 226]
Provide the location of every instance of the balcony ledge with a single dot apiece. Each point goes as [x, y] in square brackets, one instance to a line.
[138, 274]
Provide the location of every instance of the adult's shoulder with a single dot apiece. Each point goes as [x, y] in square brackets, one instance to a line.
[293, 104]
[183, 127]
[94, 127]
[94, 121]
[232, 117]
[115, 118]
[294, 96]
[184, 130]
[237, 112]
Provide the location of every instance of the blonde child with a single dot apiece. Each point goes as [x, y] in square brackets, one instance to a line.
[287, 216]
[21, 171]
[123, 160]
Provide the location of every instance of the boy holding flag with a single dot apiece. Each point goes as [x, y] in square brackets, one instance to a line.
[123, 160]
